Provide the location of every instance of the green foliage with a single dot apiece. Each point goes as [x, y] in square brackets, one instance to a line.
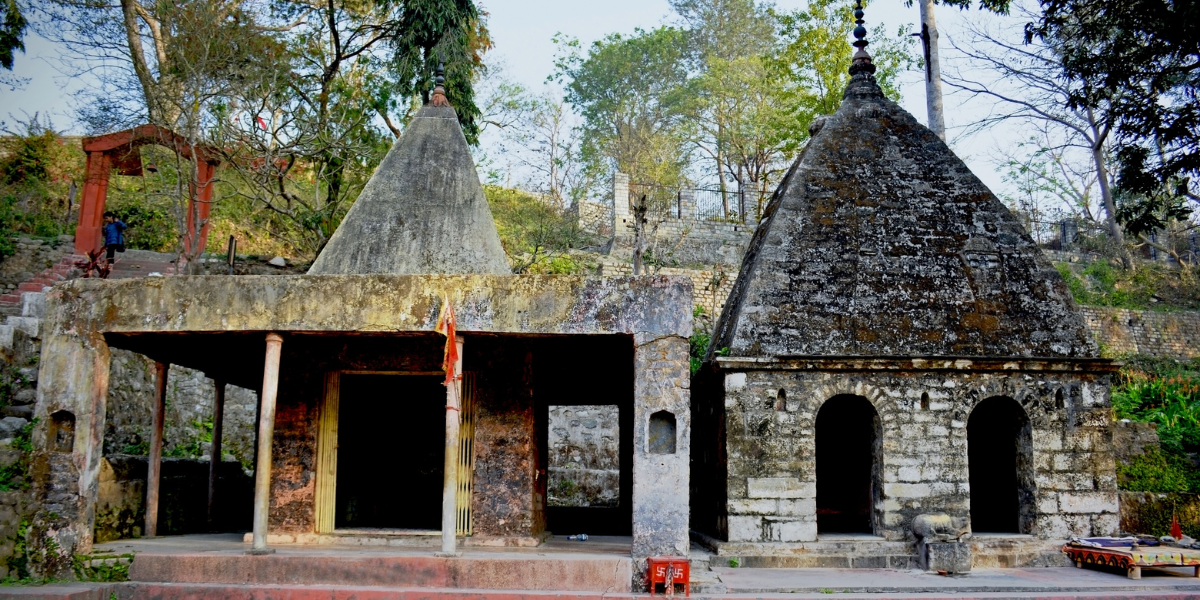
[536, 235]
[452, 32]
[1163, 392]
[12, 32]
[814, 64]
[102, 568]
[18, 560]
[36, 169]
[734, 563]
[698, 348]
[1148, 287]
[1158, 471]
[141, 448]
[16, 475]
[1140, 55]
[630, 92]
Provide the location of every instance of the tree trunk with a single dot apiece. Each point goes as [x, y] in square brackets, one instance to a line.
[1110, 206]
[933, 70]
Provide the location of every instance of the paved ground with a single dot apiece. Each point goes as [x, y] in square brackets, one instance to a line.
[1040, 581]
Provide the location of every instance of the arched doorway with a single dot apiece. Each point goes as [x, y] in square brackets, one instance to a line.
[999, 457]
[848, 442]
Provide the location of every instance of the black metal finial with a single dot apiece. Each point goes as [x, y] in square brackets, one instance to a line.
[861, 61]
[860, 32]
[439, 89]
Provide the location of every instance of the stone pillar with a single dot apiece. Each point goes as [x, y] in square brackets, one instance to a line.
[91, 205]
[687, 205]
[620, 201]
[199, 206]
[154, 468]
[266, 434]
[214, 460]
[661, 449]
[450, 466]
[1068, 230]
[72, 388]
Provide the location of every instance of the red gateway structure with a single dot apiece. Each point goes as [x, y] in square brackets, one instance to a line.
[120, 151]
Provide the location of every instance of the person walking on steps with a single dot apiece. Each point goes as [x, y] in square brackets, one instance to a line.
[114, 236]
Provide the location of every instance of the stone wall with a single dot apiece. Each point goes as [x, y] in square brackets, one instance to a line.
[710, 287]
[584, 456]
[770, 493]
[1170, 334]
[183, 501]
[187, 431]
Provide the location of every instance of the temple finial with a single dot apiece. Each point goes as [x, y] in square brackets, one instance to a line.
[439, 90]
[861, 62]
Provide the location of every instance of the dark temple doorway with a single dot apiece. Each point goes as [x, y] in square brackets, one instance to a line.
[390, 456]
[847, 452]
[998, 456]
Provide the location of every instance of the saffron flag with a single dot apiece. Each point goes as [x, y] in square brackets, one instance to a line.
[261, 122]
[445, 326]
[1176, 530]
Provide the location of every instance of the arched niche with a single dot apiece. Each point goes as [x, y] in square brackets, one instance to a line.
[61, 437]
[662, 433]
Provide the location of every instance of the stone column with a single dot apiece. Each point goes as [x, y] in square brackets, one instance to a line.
[687, 205]
[266, 433]
[661, 449]
[154, 470]
[72, 378]
[214, 460]
[91, 205]
[620, 201]
[450, 467]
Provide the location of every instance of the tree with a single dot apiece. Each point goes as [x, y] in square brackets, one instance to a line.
[541, 139]
[12, 32]
[628, 91]
[1028, 83]
[430, 33]
[725, 39]
[1148, 53]
[815, 63]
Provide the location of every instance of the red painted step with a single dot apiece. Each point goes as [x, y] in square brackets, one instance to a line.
[30, 287]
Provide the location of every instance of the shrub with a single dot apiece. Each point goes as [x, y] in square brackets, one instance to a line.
[1158, 471]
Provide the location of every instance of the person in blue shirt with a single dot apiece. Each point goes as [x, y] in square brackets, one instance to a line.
[114, 235]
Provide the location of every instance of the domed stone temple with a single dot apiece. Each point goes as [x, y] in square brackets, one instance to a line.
[896, 345]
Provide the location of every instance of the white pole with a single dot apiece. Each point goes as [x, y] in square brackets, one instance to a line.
[933, 70]
[266, 431]
[450, 485]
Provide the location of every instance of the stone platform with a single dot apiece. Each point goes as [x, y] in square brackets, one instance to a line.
[598, 565]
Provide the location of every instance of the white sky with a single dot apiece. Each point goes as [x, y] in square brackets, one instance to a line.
[522, 31]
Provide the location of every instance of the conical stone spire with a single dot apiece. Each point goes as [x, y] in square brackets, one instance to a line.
[423, 211]
[880, 242]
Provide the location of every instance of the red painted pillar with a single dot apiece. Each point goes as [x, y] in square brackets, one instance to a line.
[199, 205]
[91, 207]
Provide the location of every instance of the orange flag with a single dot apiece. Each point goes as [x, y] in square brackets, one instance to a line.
[1176, 530]
[445, 326]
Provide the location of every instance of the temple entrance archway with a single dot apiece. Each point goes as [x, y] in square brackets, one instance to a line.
[848, 435]
[999, 455]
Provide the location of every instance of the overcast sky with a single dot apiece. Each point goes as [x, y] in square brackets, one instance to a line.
[522, 31]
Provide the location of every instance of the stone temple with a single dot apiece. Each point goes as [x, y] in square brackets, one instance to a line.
[896, 345]
[353, 428]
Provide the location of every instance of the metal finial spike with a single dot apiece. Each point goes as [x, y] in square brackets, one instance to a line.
[860, 32]
[439, 90]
